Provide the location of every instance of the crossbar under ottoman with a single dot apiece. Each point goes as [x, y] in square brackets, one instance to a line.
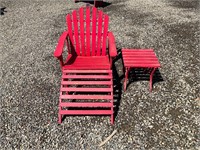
[86, 92]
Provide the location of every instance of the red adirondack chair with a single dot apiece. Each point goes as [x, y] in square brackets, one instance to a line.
[88, 63]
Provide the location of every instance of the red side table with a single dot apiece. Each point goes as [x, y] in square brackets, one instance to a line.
[139, 58]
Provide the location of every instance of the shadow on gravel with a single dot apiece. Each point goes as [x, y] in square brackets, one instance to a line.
[185, 4]
[3, 10]
[98, 4]
[141, 74]
[117, 91]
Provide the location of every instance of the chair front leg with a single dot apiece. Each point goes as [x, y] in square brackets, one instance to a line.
[111, 62]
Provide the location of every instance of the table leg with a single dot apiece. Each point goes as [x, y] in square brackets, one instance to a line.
[126, 77]
[151, 78]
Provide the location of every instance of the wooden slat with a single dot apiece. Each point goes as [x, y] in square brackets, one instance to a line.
[144, 50]
[82, 35]
[138, 54]
[142, 65]
[88, 31]
[141, 61]
[133, 52]
[96, 66]
[87, 71]
[84, 19]
[87, 66]
[105, 32]
[86, 83]
[86, 112]
[94, 13]
[141, 58]
[100, 19]
[87, 76]
[76, 32]
[86, 97]
[86, 89]
[69, 24]
[86, 104]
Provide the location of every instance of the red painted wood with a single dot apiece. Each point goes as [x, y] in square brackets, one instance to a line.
[105, 33]
[141, 61]
[59, 48]
[94, 13]
[69, 24]
[86, 97]
[76, 34]
[86, 104]
[82, 35]
[88, 36]
[87, 71]
[86, 67]
[112, 46]
[87, 76]
[86, 83]
[87, 89]
[86, 112]
[143, 65]
[137, 50]
[85, 62]
[88, 31]
[99, 41]
[139, 58]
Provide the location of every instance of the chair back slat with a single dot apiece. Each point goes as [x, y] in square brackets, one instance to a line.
[94, 11]
[106, 19]
[69, 24]
[76, 34]
[82, 35]
[88, 30]
[99, 41]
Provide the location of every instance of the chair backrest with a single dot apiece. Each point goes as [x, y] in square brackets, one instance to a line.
[88, 30]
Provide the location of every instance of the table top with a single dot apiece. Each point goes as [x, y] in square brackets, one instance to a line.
[140, 58]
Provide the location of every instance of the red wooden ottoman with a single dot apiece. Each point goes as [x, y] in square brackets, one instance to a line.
[139, 58]
[86, 92]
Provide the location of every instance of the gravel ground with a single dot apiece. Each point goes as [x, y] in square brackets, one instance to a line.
[167, 118]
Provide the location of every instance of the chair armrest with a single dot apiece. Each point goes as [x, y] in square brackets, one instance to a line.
[59, 48]
[112, 45]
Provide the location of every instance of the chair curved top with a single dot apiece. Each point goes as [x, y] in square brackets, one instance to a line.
[88, 30]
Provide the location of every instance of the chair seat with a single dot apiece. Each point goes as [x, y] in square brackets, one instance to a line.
[87, 62]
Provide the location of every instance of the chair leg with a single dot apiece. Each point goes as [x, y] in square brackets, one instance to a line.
[151, 78]
[112, 119]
